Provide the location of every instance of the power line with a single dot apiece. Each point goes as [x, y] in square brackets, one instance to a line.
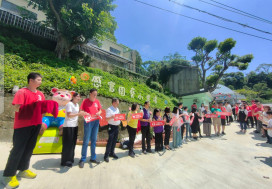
[241, 11]
[246, 15]
[202, 21]
[221, 18]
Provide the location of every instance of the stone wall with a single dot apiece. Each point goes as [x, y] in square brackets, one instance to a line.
[186, 81]
[7, 118]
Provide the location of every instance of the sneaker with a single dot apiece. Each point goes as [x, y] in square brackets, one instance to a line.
[256, 131]
[10, 182]
[144, 152]
[114, 156]
[81, 164]
[95, 161]
[27, 174]
[184, 141]
[106, 159]
[223, 133]
[188, 140]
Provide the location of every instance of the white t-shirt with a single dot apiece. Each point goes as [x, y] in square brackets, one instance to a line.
[228, 108]
[110, 112]
[74, 109]
[269, 131]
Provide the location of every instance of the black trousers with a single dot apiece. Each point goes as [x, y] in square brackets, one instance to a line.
[69, 139]
[229, 119]
[113, 136]
[158, 142]
[182, 130]
[145, 137]
[255, 121]
[24, 141]
[167, 129]
[131, 135]
[250, 119]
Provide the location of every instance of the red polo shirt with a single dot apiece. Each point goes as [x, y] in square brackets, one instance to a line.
[23, 97]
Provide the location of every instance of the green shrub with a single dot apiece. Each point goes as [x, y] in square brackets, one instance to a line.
[155, 85]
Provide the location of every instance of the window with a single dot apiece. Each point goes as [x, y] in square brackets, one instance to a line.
[115, 51]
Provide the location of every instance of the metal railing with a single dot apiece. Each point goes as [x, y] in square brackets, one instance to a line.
[33, 27]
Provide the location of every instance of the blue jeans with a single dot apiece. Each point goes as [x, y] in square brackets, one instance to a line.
[90, 132]
[188, 130]
[176, 137]
[243, 125]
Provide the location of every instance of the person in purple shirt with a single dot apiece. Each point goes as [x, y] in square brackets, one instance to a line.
[145, 128]
[158, 131]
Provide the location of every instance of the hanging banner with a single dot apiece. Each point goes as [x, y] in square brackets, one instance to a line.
[157, 123]
[120, 117]
[137, 116]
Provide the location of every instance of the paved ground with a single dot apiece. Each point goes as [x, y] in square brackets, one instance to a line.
[231, 161]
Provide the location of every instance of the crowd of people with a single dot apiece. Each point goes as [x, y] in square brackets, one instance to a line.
[182, 124]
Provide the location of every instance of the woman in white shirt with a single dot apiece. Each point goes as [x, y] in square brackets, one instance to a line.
[70, 130]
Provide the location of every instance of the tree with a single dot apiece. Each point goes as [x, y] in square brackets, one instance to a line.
[77, 21]
[234, 80]
[218, 64]
[266, 68]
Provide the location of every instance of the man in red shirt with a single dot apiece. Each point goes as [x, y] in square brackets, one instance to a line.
[25, 133]
[257, 112]
[92, 106]
[253, 107]
[223, 118]
[249, 116]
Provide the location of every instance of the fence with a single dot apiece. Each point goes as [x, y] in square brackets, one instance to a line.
[35, 28]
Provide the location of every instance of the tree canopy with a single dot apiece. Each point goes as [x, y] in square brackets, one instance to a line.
[77, 21]
[218, 64]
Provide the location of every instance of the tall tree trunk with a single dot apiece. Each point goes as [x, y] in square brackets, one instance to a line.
[63, 48]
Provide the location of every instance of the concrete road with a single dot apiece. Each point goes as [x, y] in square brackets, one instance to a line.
[232, 161]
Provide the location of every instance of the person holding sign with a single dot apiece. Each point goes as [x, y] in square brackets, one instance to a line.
[167, 127]
[132, 128]
[223, 117]
[177, 141]
[187, 123]
[195, 124]
[70, 130]
[92, 106]
[216, 120]
[158, 131]
[242, 118]
[145, 129]
[113, 129]
[207, 123]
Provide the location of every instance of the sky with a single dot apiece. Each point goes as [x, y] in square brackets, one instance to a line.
[155, 33]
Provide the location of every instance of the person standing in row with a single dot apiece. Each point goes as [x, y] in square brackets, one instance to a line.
[145, 129]
[177, 141]
[223, 117]
[158, 131]
[187, 123]
[229, 109]
[113, 129]
[242, 118]
[207, 123]
[167, 127]
[70, 130]
[250, 117]
[25, 133]
[132, 129]
[195, 124]
[93, 107]
[257, 112]
[181, 115]
[217, 120]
